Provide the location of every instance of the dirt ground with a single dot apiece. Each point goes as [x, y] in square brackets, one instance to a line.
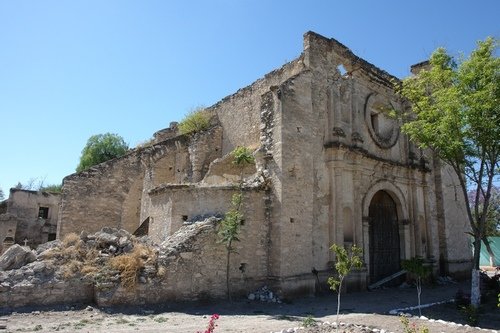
[361, 310]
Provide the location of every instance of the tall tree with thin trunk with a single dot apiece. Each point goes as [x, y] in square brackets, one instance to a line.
[229, 228]
[455, 112]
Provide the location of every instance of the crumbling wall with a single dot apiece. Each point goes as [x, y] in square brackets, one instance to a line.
[239, 114]
[37, 214]
[8, 225]
[223, 171]
[195, 269]
[114, 193]
[100, 195]
[189, 265]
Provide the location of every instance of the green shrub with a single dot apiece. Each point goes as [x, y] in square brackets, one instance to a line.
[471, 314]
[242, 155]
[309, 321]
[195, 121]
[412, 327]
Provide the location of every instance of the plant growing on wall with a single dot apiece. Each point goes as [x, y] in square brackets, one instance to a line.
[229, 229]
[456, 113]
[345, 261]
[195, 121]
[230, 226]
[242, 155]
[415, 266]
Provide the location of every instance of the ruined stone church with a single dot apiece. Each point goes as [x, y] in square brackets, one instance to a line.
[331, 167]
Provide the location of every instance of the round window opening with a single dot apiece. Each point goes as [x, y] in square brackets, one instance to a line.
[383, 129]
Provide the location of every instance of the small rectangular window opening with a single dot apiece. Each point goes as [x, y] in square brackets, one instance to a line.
[43, 212]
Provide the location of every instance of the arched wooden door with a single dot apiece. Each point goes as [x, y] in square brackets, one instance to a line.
[384, 237]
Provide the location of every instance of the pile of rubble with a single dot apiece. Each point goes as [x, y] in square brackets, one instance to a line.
[264, 294]
[88, 257]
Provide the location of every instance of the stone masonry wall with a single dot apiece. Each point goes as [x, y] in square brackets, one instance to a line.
[25, 205]
[196, 269]
[98, 196]
[114, 193]
[239, 114]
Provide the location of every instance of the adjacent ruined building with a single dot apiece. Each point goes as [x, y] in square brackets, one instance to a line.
[331, 167]
[28, 218]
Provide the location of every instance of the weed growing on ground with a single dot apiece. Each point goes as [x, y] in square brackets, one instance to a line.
[411, 327]
[160, 319]
[309, 321]
[471, 314]
[122, 321]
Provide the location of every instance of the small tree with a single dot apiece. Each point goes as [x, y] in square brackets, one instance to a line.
[415, 266]
[230, 225]
[345, 261]
[101, 148]
[229, 230]
[456, 113]
[2, 195]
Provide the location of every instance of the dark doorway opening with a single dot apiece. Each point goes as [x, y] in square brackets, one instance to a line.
[384, 238]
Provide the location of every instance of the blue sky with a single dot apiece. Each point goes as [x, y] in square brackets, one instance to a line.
[71, 69]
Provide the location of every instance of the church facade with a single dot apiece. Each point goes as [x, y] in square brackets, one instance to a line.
[330, 167]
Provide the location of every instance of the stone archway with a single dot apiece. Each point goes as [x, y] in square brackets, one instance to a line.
[384, 236]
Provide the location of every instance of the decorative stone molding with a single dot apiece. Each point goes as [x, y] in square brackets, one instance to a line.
[383, 129]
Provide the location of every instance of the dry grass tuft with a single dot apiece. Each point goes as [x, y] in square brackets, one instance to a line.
[162, 271]
[71, 240]
[130, 264]
[71, 268]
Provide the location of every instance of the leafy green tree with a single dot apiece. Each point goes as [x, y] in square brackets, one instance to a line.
[416, 267]
[101, 148]
[345, 261]
[2, 195]
[456, 113]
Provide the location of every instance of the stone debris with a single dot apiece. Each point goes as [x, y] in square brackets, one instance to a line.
[443, 280]
[182, 242]
[54, 269]
[16, 257]
[326, 327]
[264, 294]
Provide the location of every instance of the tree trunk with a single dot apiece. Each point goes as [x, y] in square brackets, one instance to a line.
[475, 291]
[227, 275]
